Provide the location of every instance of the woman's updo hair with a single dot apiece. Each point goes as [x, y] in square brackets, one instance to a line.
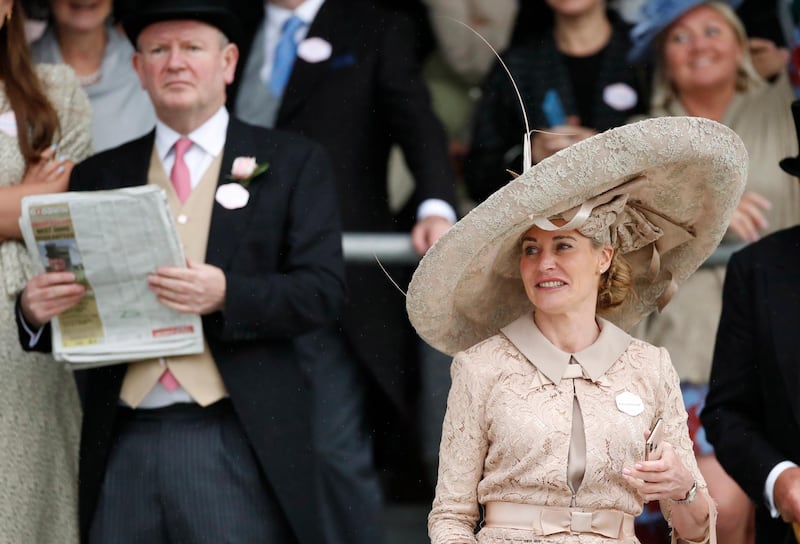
[616, 283]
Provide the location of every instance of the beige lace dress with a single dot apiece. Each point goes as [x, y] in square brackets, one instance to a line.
[39, 409]
[508, 428]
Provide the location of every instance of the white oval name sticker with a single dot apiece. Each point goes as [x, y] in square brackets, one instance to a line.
[314, 50]
[630, 404]
[620, 96]
[232, 196]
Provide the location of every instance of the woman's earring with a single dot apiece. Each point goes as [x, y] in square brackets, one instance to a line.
[8, 15]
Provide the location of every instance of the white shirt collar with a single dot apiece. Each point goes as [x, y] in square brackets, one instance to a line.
[210, 136]
[307, 11]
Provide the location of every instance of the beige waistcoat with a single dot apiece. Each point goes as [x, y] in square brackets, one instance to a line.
[197, 374]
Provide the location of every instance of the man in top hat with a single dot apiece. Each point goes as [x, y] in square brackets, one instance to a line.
[212, 447]
[58, 258]
[752, 412]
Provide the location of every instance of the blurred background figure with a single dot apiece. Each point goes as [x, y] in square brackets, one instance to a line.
[453, 72]
[345, 73]
[574, 81]
[703, 68]
[83, 36]
[461, 60]
[771, 26]
[44, 130]
[751, 412]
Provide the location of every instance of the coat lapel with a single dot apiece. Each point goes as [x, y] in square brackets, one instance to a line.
[229, 226]
[783, 307]
[132, 167]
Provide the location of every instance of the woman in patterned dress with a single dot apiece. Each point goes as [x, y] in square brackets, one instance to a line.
[44, 129]
[551, 400]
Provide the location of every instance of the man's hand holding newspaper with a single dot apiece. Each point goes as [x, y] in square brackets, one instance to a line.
[115, 263]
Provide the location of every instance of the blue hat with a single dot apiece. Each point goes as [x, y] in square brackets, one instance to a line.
[655, 16]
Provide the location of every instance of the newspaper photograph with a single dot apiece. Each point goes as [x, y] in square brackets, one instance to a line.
[111, 241]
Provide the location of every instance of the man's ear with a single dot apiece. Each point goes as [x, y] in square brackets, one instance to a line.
[136, 62]
[230, 57]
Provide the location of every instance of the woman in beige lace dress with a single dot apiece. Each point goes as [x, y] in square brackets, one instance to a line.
[550, 405]
[44, 129]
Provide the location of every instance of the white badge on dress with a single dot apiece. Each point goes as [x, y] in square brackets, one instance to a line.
[232, 196]
[620, 96]
[314, 50]
[8, 123]
[629, 403]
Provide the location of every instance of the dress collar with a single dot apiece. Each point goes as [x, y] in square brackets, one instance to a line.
[595, 360]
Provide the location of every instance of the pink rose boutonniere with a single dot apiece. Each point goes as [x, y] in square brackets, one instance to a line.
[244, 169]
[233, 196]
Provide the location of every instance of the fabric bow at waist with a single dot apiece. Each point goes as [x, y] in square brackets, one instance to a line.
[549, 520]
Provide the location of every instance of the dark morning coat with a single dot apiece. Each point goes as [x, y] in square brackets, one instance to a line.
[284, 271]
[752, 413]
[367, 95]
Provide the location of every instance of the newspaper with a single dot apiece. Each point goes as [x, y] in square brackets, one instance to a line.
[111, 241]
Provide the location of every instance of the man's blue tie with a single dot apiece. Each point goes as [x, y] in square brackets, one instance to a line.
[285, 54]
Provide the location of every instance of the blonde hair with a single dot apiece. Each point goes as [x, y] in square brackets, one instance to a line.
[746, 75]
[616, 283]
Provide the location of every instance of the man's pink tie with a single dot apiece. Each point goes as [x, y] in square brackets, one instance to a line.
[180, 172]
[183, 187]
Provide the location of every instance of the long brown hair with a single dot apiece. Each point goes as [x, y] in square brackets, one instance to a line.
[37, 121]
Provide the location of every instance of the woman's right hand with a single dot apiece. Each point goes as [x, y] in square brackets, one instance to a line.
[51, 170]
[769, 60]
[748, 221]
[557, 138]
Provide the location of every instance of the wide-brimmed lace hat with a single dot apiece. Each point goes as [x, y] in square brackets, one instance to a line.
[660, 190]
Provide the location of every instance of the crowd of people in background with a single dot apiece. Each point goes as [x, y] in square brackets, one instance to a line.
[451, 87]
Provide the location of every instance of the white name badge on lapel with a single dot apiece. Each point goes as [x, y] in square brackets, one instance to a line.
[620, 96]
[314, 50]
[630, 404]
[232, 196]
[8, 124]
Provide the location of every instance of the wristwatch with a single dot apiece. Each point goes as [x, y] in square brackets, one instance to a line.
[690, 495]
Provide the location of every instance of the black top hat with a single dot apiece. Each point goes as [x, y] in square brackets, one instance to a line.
[791, 165]
[137, 14]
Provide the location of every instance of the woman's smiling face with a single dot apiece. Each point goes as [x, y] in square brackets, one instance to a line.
[561, 270]
[701, 51]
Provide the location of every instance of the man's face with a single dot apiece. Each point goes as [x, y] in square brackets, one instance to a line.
[184, 66]
[57, 264]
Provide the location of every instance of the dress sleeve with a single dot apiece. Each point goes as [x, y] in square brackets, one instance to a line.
[461, 456]
[74, 112]
[677, 434]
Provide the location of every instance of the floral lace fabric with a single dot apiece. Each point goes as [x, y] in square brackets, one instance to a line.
[507, 430]
[39, 408]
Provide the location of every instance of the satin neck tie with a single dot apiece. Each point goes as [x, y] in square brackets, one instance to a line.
[285, 53]
[181, 180]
